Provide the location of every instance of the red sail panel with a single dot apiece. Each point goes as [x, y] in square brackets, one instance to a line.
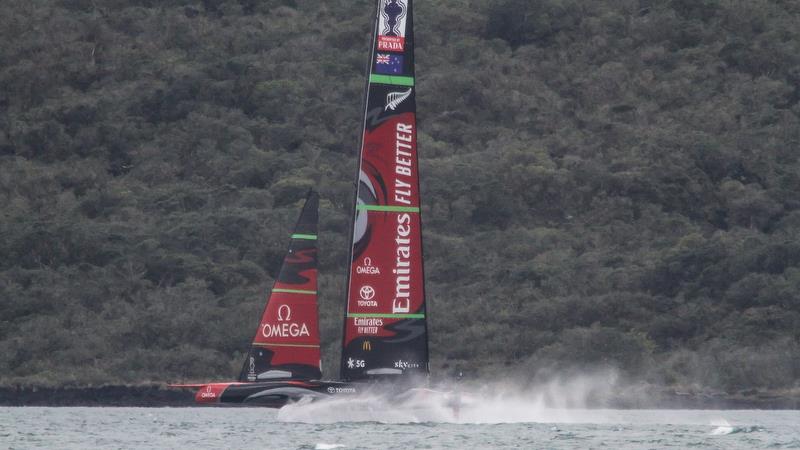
[385, 330]
[386, 273]
[286, 343]
[289, 329]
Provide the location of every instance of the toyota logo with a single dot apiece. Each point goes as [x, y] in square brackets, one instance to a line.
[367, 292]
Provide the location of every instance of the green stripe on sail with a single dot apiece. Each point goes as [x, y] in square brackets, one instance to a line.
[294, 291]
[385, 208]
[308, 237]
[389, 79]
[387, 316]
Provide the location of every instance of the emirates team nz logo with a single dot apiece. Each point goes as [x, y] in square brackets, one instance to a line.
[392, 26]
[394, 99]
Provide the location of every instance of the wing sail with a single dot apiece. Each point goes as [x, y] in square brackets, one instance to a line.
[385, 329]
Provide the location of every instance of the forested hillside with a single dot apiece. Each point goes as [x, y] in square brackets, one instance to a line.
[605, 183]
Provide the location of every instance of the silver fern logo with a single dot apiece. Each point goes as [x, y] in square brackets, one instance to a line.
[394, 99]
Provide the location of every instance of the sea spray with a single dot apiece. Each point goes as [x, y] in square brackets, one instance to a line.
[555, 400]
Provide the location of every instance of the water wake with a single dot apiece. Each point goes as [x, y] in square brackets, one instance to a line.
[369, 407]
[554, 401]
[723, 428]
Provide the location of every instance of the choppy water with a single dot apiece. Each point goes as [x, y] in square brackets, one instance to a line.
[295, 428]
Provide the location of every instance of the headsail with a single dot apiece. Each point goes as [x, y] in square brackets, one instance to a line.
[385, 329]
[286, 344]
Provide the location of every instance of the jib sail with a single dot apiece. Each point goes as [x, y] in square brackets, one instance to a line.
[286, 344]
[385, 330]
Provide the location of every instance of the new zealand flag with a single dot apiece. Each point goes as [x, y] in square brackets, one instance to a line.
[386, 64]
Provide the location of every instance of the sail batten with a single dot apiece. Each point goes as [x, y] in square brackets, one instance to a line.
[294, 291]
[389, 316]
[391, 80]
[385, 328]
[388, 208]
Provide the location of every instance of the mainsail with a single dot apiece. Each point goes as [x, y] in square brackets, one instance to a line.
[385, 330]
[286, 344]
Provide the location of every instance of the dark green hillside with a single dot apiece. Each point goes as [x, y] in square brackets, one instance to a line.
[614, 182]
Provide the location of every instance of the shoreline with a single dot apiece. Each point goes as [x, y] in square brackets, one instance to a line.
[668, 399]
[157, 396]
[102, 396]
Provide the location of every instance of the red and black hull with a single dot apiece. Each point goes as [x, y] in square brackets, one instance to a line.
[276, 394]
[272, 394]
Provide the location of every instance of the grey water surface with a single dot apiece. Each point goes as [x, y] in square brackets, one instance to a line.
[255, 428]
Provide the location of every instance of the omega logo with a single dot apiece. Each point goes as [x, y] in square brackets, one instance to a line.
[284, 313]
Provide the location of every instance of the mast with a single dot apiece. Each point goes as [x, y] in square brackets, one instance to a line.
[286, 343]
[385, 330]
